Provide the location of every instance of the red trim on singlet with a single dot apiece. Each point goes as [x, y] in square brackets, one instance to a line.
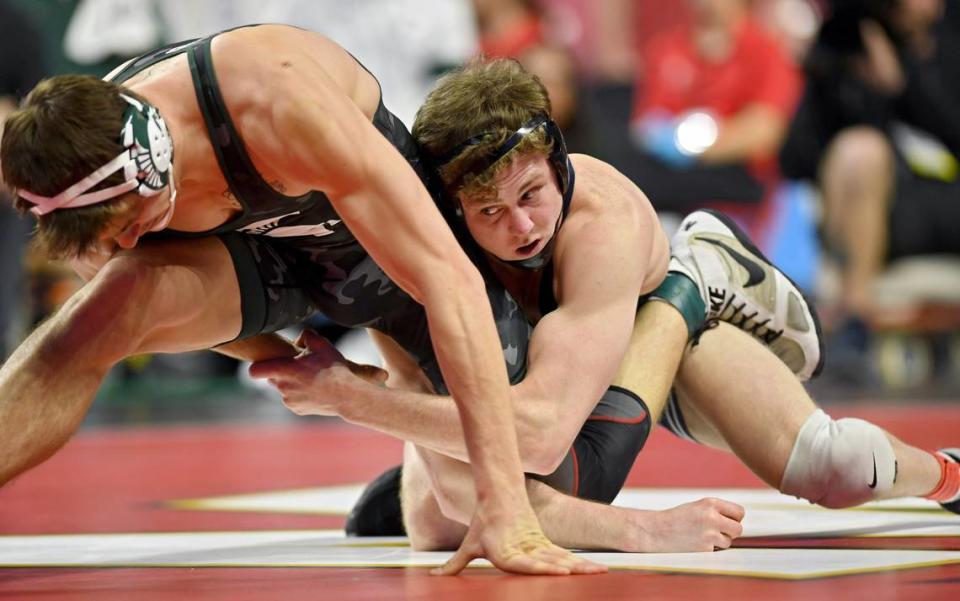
[618, 420]
[576, 472]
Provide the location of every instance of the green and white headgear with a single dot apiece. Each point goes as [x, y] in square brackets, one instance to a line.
[146, 160]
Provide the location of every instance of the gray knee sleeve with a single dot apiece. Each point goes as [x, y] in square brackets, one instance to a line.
[839, 463]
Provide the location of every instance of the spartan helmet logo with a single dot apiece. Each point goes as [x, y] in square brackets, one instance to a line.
[161, 148]
[145, 135]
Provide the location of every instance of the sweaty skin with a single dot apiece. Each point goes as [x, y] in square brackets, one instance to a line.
[304, 110]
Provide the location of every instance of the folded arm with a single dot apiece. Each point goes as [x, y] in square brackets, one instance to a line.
[604, 262]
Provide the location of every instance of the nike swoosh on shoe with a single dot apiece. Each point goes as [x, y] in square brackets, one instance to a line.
[755, 273]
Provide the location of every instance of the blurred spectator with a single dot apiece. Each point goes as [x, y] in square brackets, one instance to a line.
[555, 67]
[508, 27]
[406, 44]
[710, 110]
[103, 30]
[878, 128]
[532, 33]
[794, 23]
[21, 66]
[600, 36]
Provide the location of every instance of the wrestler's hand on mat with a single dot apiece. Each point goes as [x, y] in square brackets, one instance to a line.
[704, 525]
[319, 378]
[515, 545]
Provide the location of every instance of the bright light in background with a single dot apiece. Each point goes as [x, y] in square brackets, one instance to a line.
[696, 133]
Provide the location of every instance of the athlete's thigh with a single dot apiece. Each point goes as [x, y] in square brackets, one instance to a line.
[696, 425]
[181, 294]
[212, 290]
[733, 386]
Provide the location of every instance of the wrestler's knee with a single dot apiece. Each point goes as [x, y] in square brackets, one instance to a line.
[840, 463]
[597, 464]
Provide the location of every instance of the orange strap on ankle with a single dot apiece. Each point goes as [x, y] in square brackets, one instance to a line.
[949, 484]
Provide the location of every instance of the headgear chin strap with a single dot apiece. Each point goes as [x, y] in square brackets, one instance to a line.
[146, 160]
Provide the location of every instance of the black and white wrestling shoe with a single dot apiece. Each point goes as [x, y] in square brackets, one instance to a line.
[740, 286]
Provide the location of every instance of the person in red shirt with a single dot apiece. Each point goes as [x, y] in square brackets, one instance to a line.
[711, 110]
[508, 28]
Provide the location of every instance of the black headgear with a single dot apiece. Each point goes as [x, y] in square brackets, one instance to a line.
[558, 152]
[558, 158]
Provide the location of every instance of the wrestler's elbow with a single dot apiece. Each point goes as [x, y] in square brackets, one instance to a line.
[541, 438]
[546, 459]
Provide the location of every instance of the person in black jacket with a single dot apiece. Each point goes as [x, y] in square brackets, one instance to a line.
[21, 66]
[880, 69]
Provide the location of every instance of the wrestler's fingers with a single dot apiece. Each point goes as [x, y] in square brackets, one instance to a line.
[371, 373]
[311, 340]
[301, 341]
[574, 563]
[731, 510]
[731, 528]
[583, 566]
[532, 564]
[723, 542]
[455, 564]
[270, 368]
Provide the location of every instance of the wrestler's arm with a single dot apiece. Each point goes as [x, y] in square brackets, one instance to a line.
[603, 267]
[329, 144]
[151, 299]
[332, 146]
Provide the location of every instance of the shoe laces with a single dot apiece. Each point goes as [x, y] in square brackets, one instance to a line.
[741, 319]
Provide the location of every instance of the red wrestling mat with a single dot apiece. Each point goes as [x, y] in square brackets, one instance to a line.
[122, 481]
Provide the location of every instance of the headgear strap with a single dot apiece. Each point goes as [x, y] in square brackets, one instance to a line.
[146, 161]
[558, 157]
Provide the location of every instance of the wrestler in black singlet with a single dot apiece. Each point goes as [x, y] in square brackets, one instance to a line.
[294, 255]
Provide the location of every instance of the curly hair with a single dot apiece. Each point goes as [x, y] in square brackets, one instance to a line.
[487, 98]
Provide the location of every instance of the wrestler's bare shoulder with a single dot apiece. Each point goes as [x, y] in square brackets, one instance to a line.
[607, 199]
[281, 54]
[600, 188]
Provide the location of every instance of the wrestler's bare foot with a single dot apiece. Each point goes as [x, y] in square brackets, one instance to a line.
[704, 525]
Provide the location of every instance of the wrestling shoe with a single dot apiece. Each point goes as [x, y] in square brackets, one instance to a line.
[377, 512]
[952, 504]
[742, 287]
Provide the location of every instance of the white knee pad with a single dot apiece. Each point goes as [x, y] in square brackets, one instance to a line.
[839, 463]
